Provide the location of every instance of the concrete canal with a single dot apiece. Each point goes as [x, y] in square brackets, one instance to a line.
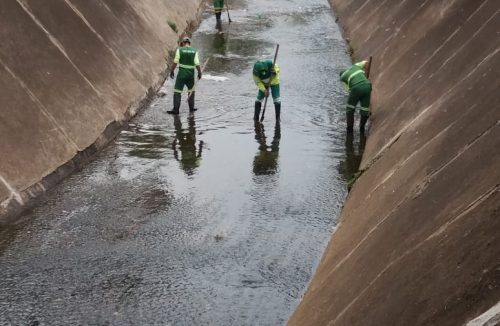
[201, 219]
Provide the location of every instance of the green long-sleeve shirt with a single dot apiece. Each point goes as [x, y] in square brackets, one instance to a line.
[262, 74]
[354, 75]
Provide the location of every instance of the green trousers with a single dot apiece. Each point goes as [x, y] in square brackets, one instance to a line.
[360, 93]
[275, 92]
[185, 77]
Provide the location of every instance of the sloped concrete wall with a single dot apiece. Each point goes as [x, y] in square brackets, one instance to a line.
[70, 69]
[419, 238]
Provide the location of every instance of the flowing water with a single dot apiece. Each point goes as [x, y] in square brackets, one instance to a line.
[203, 219]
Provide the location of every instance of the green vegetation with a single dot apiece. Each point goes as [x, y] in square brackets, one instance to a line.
[353, 179]
[172, 25]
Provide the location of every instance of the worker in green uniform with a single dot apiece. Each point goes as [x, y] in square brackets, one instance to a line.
[266, 76]
[360, 89]
[187, 59]
[218, 7]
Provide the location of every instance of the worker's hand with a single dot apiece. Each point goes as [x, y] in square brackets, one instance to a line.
[267, 92]
[273, 72]
[199, 74]
[172, 74]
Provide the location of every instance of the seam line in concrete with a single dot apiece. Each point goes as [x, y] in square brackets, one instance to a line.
[469, 39]
[405, 128]
[393, 35]
[366, 18]
[418, 188]
[13, 194]
[439, 48]
[416, 71]
[100, 38]
[426, 180]
[42, 108]
[400, 86]
[61, 48]
[124, 27]
[413, 154]
[477, 202]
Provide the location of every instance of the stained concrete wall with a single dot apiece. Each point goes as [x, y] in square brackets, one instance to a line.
[419, 238]
[70, 70]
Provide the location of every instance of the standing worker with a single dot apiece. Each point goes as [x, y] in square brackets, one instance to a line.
[218, 8]
[265, 76]
[360, 89]
[187, 59]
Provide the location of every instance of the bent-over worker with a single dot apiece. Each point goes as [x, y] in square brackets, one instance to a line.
[360, 89]
[266, 76]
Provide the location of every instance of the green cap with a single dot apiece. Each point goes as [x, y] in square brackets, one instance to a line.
[259, 67]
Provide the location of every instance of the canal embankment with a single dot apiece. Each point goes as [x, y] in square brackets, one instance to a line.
[72, 73]
[418, 238]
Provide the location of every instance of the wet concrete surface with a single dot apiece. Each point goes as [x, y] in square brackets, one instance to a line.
[203, 219]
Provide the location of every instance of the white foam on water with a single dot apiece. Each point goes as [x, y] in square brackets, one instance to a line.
[215, 78]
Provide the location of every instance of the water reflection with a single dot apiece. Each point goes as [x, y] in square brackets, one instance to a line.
[218, 26]
[350, 166]
[219, 41]
[153, 199]
[228, 49]
[145, 141]
[266, 159]
[184, 145]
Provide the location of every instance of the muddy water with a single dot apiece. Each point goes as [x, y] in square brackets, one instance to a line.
[203, 219]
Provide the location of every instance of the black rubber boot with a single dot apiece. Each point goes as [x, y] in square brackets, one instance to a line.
[277, 111]
[362, 123]
[350, 122]
[191, 102]
[256, 112]
[177, 104]
[217, 16]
